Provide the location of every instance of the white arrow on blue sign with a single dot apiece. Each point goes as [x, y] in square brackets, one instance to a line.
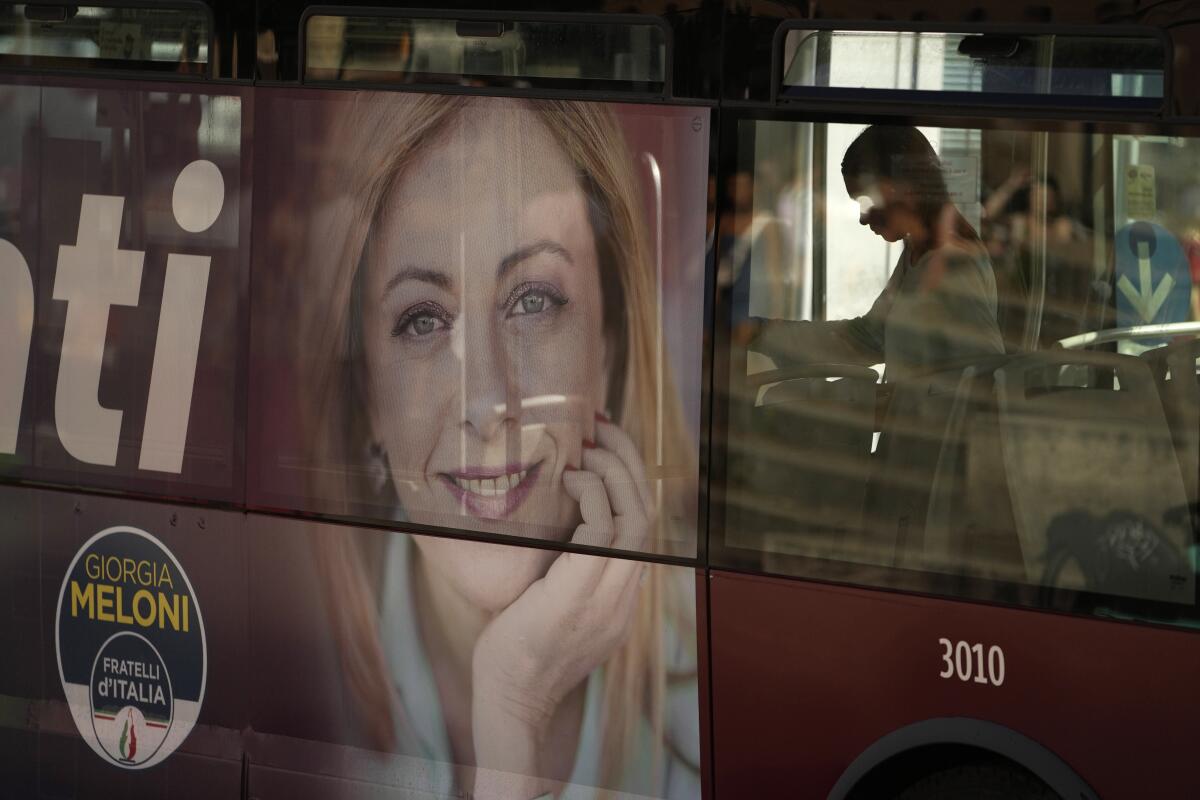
[1154, 284]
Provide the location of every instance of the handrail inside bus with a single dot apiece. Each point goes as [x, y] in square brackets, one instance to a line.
[1133, 332]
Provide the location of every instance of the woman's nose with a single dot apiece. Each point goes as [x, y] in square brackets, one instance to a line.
[488, 397]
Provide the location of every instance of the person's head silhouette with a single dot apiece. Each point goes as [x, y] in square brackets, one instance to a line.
[896, 177]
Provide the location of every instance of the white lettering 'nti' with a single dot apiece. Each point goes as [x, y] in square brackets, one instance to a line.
[93, 274]
[16, 317]
[175, 355]
[196, 203]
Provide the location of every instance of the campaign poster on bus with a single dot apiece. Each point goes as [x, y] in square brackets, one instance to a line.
[124, 256]
[397, 665]
[479, 313]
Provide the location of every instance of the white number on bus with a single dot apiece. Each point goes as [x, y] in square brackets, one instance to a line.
[967, 662]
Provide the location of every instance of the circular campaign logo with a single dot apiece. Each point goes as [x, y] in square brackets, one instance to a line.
[131, 649]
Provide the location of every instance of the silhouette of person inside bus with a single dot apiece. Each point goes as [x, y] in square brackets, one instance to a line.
[1022, 214]
[938, 309]
[752, 252]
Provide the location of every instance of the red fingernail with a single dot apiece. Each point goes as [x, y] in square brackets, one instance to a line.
[569, 468]
[588, 445]
[602, 417]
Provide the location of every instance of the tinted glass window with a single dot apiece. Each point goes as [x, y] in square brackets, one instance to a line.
[483, 314]
[485, 52]
[1067, 67]
[969, 354]
[124, 245]
[158, 39]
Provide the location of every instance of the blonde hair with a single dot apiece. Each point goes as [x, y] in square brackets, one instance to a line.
[377, 140]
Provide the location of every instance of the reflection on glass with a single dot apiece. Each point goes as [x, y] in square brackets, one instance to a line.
[1066, 66]
[484, 52]
[939, 305]
[945, 429]
[160, 38]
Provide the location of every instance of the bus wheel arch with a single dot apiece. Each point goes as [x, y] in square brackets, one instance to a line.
[924, 749]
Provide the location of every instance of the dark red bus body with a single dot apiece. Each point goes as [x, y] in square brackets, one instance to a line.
[806, 677]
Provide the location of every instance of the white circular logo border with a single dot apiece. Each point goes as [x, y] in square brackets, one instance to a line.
[91, 739]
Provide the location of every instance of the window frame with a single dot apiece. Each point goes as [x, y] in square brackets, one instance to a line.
[930, 99]
[726, 358]
[207, 74]
[665, 98]
[666, 93]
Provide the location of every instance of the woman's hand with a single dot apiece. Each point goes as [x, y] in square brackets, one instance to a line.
[535, 652]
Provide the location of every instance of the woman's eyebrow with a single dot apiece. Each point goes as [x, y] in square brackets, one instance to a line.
[438, 279]
[529, 251]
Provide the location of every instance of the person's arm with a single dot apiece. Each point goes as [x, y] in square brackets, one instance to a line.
[851, 341]
[998, 200]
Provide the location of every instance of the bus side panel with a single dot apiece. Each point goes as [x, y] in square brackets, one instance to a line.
[314, 732]
[704, 663]
[44, 752]
[806, 677]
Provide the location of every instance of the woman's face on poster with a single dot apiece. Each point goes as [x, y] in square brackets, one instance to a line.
[482, 328]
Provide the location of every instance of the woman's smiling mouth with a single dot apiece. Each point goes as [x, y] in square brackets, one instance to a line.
[491, 493]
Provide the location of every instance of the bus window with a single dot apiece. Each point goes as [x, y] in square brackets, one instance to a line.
[503, 338]
[965, 352]
[473, 51]
[123, 373]
[1018, 68]
[157, 39]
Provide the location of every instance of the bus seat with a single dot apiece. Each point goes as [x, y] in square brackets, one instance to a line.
[969, 523]
[1070, 422]
[910, 443]
[1175, 372]
[803, 482]
[939, 439]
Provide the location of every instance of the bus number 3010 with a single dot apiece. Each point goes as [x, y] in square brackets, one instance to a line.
[966, 661]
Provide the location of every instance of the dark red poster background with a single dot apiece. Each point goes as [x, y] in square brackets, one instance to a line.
[62, 139]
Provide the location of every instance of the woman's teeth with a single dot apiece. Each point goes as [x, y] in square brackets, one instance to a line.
[491, 487]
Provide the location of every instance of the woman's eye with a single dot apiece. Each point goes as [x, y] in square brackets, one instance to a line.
[420, 322]
[532, 303]
[528, 300]
[424, 324]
